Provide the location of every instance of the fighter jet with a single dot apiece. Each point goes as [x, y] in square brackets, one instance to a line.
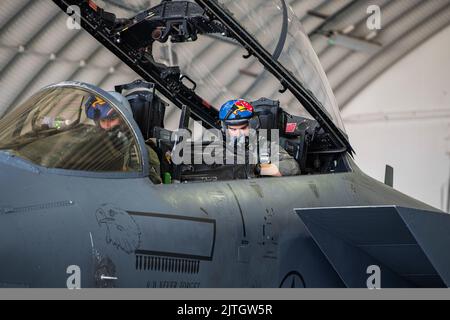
[75, 212]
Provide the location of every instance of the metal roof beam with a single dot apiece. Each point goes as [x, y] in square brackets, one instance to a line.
[434, 23]
[333, 17]
[394, 19]
[33, 39]
[47, 65]
[14, 17]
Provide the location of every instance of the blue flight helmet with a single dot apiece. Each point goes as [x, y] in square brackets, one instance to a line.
[98, 109]
[236, 113]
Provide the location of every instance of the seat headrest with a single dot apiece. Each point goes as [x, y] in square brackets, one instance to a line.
[124, 101]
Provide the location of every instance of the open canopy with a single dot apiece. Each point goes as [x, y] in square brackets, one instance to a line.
[269, 35]
[276, 27]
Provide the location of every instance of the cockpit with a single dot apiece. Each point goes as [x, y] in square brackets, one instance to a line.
[52, 130]
[291, 95]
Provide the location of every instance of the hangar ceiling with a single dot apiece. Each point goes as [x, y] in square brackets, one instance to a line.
[36, 49]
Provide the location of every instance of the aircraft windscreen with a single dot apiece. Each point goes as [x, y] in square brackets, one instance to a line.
[71, 129]
[276, 27]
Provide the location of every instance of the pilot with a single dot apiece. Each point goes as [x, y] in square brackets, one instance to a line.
[107, 119]
[235, 116]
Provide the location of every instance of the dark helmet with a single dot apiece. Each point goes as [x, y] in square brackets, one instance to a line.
[236, 112]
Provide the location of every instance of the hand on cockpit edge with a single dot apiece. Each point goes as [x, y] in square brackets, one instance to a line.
[269, 170]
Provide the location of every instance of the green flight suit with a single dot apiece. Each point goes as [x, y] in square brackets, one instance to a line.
[154, 165]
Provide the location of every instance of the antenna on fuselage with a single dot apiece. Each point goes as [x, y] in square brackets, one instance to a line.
[389, 176]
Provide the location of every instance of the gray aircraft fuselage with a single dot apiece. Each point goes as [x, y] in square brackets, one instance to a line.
[84, 229]
[131, 233]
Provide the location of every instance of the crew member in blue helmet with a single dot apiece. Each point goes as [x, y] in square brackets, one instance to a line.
[107, 119]
[235, 116]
